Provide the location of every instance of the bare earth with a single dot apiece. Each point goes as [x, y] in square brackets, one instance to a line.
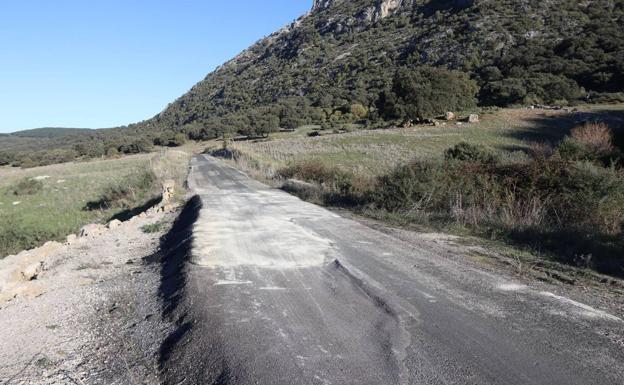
[91, 317]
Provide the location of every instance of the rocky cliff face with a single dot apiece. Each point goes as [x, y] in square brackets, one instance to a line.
[323, 4]
[377, 10]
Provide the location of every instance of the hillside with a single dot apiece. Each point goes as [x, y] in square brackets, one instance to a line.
[347, 52]
[50, 132]
[378, 63]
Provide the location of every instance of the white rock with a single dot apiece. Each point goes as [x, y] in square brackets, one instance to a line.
[16, 203]
[114, 224]
[92, 230]
[71, 238]
[473, 118]
[32, 271]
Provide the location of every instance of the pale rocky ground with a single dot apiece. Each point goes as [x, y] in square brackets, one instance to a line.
[91, 316]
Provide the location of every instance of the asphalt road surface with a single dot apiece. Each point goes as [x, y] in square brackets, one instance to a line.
[280, 291]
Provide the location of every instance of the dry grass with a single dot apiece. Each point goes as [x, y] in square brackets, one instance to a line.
[595, 136]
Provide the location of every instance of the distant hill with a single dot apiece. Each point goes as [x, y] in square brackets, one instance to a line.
[50, 132]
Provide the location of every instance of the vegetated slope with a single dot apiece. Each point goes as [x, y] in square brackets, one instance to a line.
[377, 62]
[40, 147]
[49, 132]
[347, 52]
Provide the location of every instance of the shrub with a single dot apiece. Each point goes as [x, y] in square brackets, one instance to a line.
[338, 187]
[470, 152]
[27, 186]
[596, 137]
[591, 142]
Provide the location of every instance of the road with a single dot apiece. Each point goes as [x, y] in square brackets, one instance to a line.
[280, 291]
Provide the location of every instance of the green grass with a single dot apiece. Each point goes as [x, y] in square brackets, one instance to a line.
[58, 209]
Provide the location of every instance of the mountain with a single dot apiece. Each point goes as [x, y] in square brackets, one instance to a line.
[347, 52]
[380, 62]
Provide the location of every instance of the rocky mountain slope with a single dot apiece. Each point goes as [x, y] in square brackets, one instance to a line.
[345, 52]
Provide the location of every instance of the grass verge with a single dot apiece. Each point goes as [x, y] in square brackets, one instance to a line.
[47, 203]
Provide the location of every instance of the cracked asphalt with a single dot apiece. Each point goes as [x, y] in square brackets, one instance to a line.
[281, 291]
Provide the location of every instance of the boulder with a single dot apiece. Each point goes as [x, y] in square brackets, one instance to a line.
[168, 208]
[168, 189]
[473, 118]
[114, 224]
[32, 271]
[92, 230]
[71, 238]
[450, 116]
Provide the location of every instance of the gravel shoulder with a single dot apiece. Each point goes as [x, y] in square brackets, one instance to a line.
[92, 316]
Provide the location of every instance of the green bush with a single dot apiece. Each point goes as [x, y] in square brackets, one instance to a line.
[470, 152]
[27, 186]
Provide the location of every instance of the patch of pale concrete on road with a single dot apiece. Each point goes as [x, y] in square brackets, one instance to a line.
[240, 231]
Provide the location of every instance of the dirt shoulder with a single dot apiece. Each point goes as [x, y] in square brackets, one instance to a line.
[92, 315]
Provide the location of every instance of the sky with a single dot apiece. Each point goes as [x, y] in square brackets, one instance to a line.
[105, 63]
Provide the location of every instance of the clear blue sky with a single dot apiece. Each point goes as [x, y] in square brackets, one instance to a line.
[104, 63]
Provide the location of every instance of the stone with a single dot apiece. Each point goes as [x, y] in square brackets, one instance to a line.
[473, 118]
[92, 230]
[168, 208]
[71, 239]
[31, 272]
[114, 224]
[168, 189]
[450, 116]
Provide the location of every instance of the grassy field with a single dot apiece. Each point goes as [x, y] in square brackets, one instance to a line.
[509, 132]
[47, 203]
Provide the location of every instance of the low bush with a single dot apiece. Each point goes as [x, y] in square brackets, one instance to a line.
[590, 142]
[27, 186]
[470, 152]
[337, 186]
[594, 136]
[550, 197]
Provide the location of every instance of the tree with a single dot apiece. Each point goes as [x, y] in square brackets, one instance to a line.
[426, 91]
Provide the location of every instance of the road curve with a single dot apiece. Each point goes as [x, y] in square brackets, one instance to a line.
[280, 291]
